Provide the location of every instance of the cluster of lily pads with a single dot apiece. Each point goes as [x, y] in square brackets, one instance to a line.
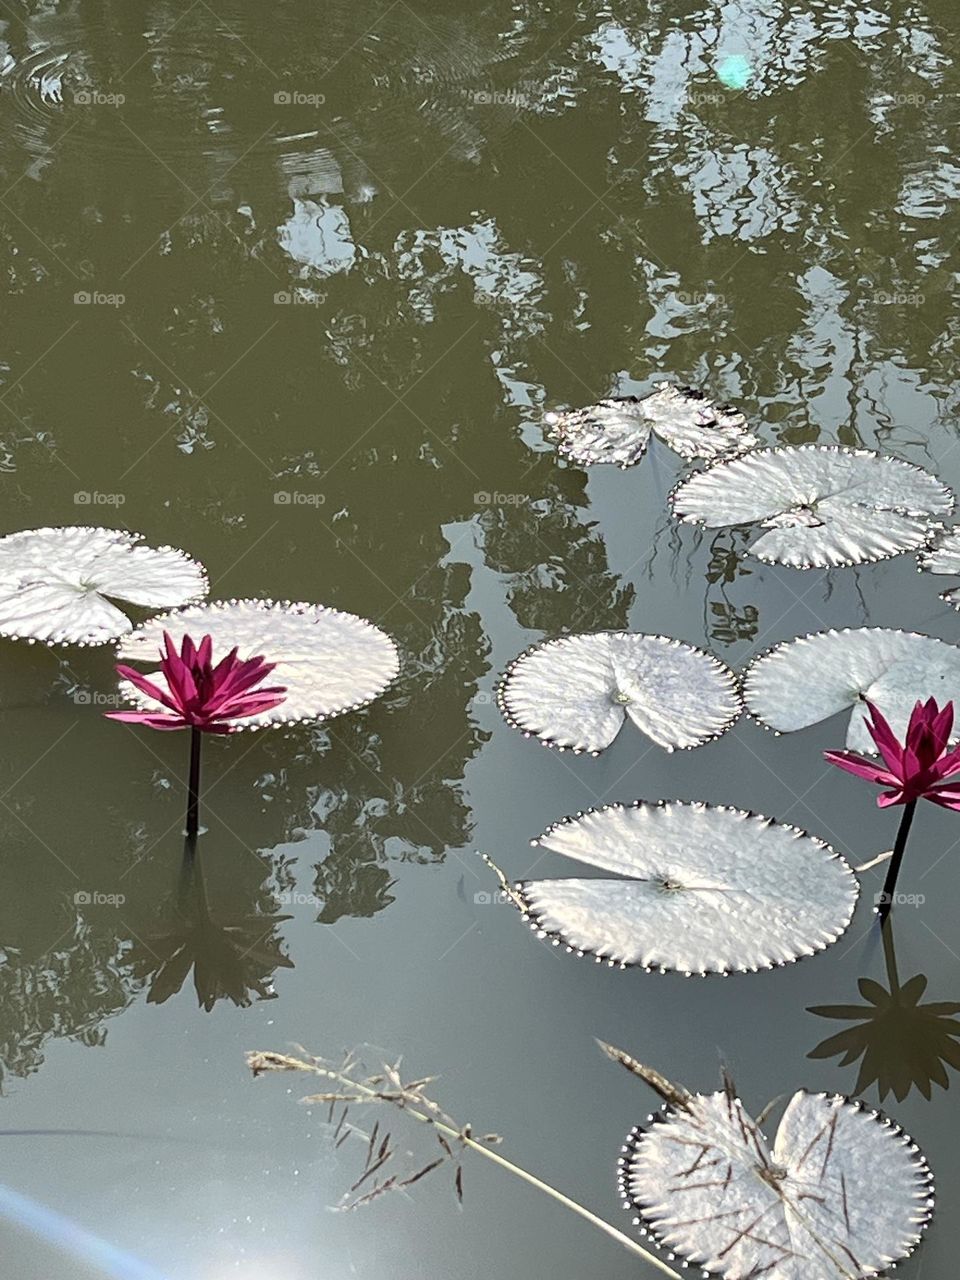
[710, 889]
[61, 586]
[684, 886]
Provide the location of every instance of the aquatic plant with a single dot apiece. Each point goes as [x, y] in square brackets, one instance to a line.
[618, 430]
[348, 1088]
[919, 768]
[820, 506]
[810, 678]
[842, 1191]
[902, 1043]
[201, 696]
[576, 692]
[943, 556]
[329, 662]
[57, 585]
[699, 889]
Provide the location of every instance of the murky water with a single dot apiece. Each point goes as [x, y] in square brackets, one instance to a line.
[290, 287]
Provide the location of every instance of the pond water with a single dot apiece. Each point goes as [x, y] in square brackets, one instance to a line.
[291, 286]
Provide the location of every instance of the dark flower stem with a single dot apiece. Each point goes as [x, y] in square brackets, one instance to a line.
[890, 884]
[193, 804]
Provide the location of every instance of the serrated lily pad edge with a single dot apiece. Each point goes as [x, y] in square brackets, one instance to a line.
[135, 539]
[285, 606]
[557, 940]
[564, 449]
[667, 1112]
[935, 526]
[809, 635]
[723, 668]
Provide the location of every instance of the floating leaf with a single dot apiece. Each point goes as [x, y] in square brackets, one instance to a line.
[618, 430]
[943, 556]
[801, 682]
[705, 889]
[577, 691]
[330, 662]
[820, 505]
[56, 585]
[841, 1194]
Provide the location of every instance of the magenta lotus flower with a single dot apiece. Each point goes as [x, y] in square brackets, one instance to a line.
[919, 768]
[916, 769]
[200, 695]
[203, 698]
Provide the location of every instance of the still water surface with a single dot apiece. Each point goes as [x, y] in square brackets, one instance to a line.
[290, 286]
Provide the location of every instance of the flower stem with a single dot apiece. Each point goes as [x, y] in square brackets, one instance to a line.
[890, 884]
[193, 803]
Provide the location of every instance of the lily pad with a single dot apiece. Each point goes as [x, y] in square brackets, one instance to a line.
[821, 506]
[618, 430]
[841, 1194]
[943, 556]
[801, 682]
[701, 889]
[57, 585]
[577, 691]
[330, 662]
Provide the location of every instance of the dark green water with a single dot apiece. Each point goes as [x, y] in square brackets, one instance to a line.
[347, 254]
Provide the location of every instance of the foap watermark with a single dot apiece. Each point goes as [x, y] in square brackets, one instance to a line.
[695, 299]
[488, 898]
[297, 298]
[97, 898]
[498, 499]
[296, 98]
[899, 899]
[293, 898]
[517, 98]
[98, 98]
[482, 698]
[94, 498]
[705, 98]
[295, 498]
[884, 299]
[94, 298]
[94, 698]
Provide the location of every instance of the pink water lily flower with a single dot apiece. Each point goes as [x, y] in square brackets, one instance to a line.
[918, 768]
[199, 695]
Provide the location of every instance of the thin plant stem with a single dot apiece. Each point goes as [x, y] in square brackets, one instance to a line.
[193, 803]
[280, 1062]
[890, 884]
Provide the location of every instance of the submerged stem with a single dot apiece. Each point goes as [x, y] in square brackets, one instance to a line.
[193, 802]
[281, 1062]
[890, 884]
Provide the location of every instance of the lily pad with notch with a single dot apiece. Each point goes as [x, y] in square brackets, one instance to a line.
[618, 430]
[841, 1193]
[819, 506]
[800, 682]
[57, 585]
[329, 662]
[576, 692]
[689, 887]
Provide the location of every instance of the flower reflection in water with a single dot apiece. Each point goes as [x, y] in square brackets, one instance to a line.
[232, 958]
[903, 1044]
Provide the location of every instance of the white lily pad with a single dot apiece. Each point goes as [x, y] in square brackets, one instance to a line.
[703, 889]
[618, 430]
[57, 585]
[330, 662]
[801, 682]
[821, 506]
[842, 1193]
[943, 556]
[577, 691]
